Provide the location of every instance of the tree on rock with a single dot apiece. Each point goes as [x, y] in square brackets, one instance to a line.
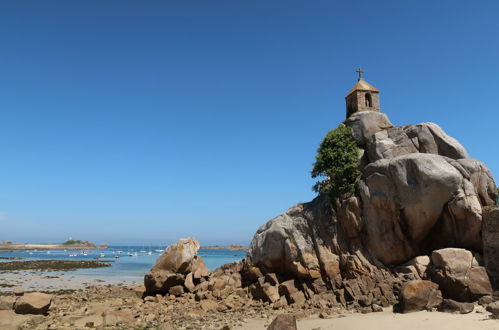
[337, 162]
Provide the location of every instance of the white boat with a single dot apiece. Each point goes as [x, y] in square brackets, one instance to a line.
[149, 253]
[119, 252]
[159, 251]
[143, 251]
[102, 255]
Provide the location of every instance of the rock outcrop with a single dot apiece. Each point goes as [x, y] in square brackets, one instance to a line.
[458, 276]
[419, 195]
[177, 268]
[418, 192]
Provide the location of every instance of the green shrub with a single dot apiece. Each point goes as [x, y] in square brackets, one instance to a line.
[72, 242]
[337, 162]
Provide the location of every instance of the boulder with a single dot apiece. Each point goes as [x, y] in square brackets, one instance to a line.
[33, 303]
[179, 257]
[283, 322]
[178, 260]
[270, 293]
[423, 138]
[176, 290]
[420, 264]
[189, 282]
[419, 295]
[455, 262]
[457, 277]
[403, 200]
[18, 291]
[201, 270]
[161, 281]
[366, 123]
[452, 306]
[294, 244]
[493, 308]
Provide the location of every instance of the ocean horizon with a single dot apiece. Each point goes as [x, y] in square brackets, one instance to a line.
[130, 262]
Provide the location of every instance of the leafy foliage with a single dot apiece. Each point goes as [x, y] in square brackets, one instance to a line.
[337, 162]
[72, 242]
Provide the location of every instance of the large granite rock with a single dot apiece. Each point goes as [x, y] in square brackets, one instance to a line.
[458, 278]
[418, 192]
[365, 124]
[173, 265]
[422, 138]
[403, 200]
[179, 257]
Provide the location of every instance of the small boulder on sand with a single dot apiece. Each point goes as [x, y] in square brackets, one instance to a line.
[419, 295]
[33, 303]
[283, 322]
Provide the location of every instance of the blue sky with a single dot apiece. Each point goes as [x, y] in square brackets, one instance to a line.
[143, 122]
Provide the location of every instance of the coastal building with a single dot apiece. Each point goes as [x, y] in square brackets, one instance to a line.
[362, 97]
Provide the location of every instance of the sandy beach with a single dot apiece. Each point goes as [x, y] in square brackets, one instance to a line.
[387, 320]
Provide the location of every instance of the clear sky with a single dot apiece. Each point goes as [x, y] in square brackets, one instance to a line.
[146, 121]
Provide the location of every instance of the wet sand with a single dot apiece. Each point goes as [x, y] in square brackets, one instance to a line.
[58, 281]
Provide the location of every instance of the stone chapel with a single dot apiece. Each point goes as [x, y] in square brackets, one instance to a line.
[362, 97]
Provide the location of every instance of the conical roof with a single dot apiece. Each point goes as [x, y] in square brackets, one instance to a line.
[363, 85]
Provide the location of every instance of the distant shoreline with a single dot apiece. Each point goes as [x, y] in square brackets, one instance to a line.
[233, 247]
[20, 247]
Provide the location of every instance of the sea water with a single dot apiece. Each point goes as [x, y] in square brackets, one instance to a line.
[127, 262]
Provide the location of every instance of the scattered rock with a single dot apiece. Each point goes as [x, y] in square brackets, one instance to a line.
[452, 306]
[33, 303]
[493, 308]
[283, 322]
[18, 291]
[485, 300]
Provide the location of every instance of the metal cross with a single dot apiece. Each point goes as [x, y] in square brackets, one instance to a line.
[360, 71]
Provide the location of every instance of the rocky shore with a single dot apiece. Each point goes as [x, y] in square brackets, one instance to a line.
[125, 307]
[232, 247]
[53, 265]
